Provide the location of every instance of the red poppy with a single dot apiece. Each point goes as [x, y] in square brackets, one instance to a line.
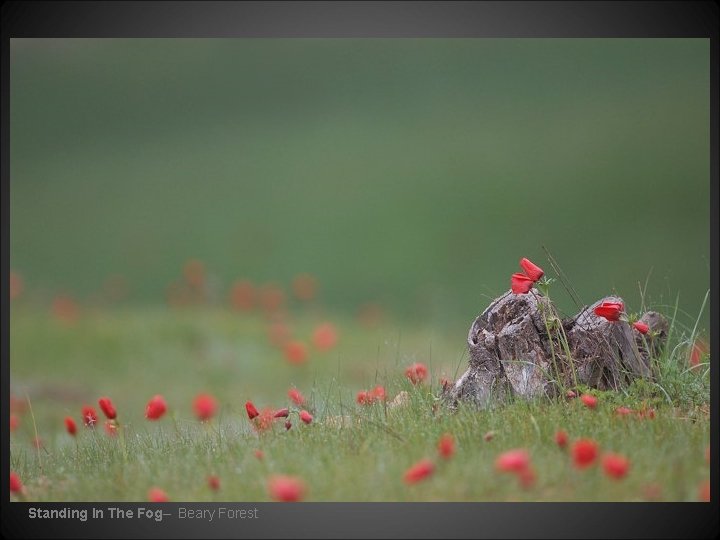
[252, 411]
[304, 286]
[697, 351]
[89, 416]
[296, 352]
[306, 417]
[489, 436]
[157, 495]
[446, 446]
[242, 295]
[213, 482]
[623, 411]
[641, 327]
[16, 485]
[16, 285]
[646, 413]
[615, 465]
[704, 491]
[527, 477]
[205, 406]
[111, 427]
[155, 408]
[610, 310]
[65, 309]
[325, 337]
[584, 453]
[272, 297]
[286, 488]
[279, 334]
[296, 397]
[70, 425]
[520, 283]
[378, 393]
[264, 420]
[416, 373]
[288, 425]
[107, 408]
[561, 438]
[14, 421]
[282, 413]
[531, 270]
[589, 401]
[259, 454]
[419, 471]
[363, 398]
[513, 461]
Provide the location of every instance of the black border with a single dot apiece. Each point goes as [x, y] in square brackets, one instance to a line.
[374, 19]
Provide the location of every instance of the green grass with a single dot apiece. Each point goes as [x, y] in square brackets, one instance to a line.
[132, 354]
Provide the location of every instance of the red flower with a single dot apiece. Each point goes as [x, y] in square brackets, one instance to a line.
[205, 406]
[296, 352]
[623, 411]
[65, 309]
[288, 425]
[704, 491]
[157, 495]
[513, 461]
[272, 297]
[281, 413]
[610, 310]
[70, 426]
[89, 415]
[14, 421]
[378, 393]
[589, 401]
[584, 453]
[416, 372]
[279, 334]
[110, 428]
[363, 398]
[306, 417]
[446, 446]
[15, 483]
[520, 283]
[561, 438]
[286, 488]
[252, 412]
[264, 420]
[259, 454]
[697, 351]
[242, 295]
[107, 408]
[527, 477]
[641, 327]
[532, 271]
[615, 465]
[421, 470]
[155, 408]
[213, 482]
[296, 397]
[325, 337]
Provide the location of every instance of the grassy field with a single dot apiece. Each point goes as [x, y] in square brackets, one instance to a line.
[349, 452]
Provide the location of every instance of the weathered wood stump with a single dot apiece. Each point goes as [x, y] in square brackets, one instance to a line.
[520, 346]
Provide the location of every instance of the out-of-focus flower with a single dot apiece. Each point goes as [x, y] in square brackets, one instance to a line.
[242, 295]
[107, 407]
[325, 337]
[155, 408]
[416, 373]
[615, 465]
[296, 397]
[205, 406]
[286, 488]
[419, 471]
[296, 352]
[70, 426]
[589, 401]
[531, 270]
[446, 446]
[157, 495]
[584, 453]
[89, 416]
[515, 461]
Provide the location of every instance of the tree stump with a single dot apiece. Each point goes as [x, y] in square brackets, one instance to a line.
[519, 346]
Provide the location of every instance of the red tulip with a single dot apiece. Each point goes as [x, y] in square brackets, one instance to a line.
[513, 461]
[325, 337]
[306, 417]
[446, 446]
[615, 465]
[16, 485]
[584, 453]
[252, 412]
[213, 482]
[14, 421]
[281, 413]
[157, 495]
[641, 327]
[421, 470]
[416, 372]
[286, 488]
[296, 397]
[296, 352]
[204, 406]
[561, 438]
[520, 283]
[155, 408]
[532, 271]
[589, 401]
[610, 310]
[70, 426]
[107, 408]
[89, 415]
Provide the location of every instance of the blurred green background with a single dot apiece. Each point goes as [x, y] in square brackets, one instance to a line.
[410, 172]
